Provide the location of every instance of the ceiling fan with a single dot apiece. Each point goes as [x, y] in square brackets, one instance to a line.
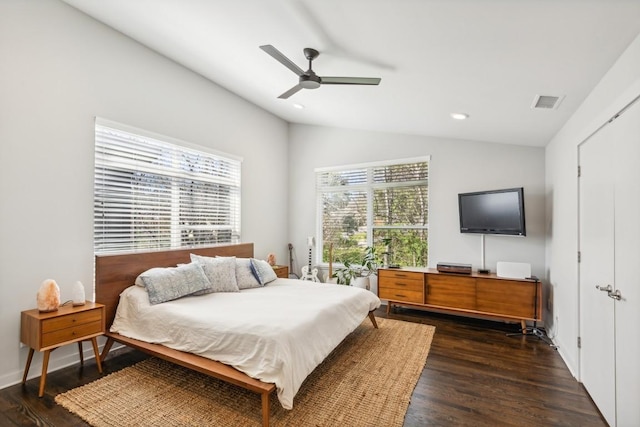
[309, 79]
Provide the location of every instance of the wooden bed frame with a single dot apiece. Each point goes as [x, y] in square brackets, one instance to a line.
[115, 273]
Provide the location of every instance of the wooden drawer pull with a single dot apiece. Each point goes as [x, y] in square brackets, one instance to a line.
[401, 296]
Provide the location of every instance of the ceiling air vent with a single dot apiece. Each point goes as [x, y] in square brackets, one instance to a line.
[546, 102]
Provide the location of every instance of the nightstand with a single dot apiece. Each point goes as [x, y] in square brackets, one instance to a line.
[69, 324]
[282, 271]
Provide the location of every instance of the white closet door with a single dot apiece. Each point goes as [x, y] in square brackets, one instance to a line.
[597, 357]
[626, 133]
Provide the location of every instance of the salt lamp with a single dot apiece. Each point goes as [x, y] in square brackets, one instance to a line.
[78, 293]
[48, 296]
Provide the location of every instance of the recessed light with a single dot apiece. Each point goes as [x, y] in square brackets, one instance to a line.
[298, 106]
[459, 116]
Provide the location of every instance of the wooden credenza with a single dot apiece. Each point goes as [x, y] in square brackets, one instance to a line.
[464, 294]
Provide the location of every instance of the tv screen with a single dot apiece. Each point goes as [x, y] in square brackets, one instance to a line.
[493, 212]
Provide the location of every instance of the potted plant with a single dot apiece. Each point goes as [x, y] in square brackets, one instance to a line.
[352, 273]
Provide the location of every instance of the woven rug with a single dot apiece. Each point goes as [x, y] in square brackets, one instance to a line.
[366, 381]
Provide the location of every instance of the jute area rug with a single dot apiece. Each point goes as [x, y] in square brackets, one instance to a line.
[366, 381]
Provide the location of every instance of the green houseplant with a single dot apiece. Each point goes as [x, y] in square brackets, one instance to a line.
[352, 271]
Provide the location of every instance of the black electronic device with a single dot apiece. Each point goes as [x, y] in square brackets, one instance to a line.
[449, 267]
[493, 212]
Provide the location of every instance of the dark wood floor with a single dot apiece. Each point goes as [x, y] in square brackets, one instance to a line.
[475, 376]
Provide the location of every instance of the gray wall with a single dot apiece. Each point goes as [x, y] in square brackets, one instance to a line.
[456, 166]
[59, 69]
[618, 87]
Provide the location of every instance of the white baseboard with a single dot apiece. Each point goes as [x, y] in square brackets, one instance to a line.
[55, 363]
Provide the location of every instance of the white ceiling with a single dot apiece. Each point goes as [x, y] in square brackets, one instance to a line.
[486, 58]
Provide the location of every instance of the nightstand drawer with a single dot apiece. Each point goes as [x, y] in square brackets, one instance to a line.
[81, 331]
[401, 295]
[71, 320]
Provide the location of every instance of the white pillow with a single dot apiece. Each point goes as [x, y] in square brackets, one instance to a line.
[244, 275]
[221, 272]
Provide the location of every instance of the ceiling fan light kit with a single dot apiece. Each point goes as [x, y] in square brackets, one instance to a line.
[309, 79]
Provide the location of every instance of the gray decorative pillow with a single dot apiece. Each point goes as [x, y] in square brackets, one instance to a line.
[167, 284]
[221, 272]
[262, 271]
[244, 275]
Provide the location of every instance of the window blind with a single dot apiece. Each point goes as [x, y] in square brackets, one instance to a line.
[155, 194]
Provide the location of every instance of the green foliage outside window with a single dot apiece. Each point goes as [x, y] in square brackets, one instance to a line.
[397, 225]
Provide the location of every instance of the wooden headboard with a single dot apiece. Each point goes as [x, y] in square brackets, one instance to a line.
[115, 273]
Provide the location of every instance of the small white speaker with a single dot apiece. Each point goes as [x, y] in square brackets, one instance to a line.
[513, 270]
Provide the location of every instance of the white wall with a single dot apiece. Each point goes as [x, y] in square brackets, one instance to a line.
[59, 69]
[456, 166]
[618, 87]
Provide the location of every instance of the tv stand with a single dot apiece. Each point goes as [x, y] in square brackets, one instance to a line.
[476, 295]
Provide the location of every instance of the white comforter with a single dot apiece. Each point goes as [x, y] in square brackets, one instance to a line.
[278, 333]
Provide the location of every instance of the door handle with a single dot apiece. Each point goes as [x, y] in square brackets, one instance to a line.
[607, 288]
[615, 295]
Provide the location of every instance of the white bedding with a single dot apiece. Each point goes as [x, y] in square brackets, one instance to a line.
[277, 333]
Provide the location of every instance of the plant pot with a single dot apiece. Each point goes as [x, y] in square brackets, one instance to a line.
[362, 282]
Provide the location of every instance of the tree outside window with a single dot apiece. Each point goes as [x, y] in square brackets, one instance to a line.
[380, 205]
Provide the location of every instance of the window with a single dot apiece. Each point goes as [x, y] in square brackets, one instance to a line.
[384, 205]
[152, 192]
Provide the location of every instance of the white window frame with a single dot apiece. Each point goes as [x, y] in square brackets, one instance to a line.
[233, 180]
[369, 188]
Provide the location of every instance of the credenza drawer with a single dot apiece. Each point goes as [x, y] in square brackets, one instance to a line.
[400, 274]
[401, 295]
[399, 285]
[402, 284]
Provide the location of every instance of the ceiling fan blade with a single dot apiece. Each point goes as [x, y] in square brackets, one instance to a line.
[290, 92]
[278, 56]
[350, 80]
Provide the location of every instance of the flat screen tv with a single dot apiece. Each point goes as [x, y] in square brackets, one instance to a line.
[493, 212]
